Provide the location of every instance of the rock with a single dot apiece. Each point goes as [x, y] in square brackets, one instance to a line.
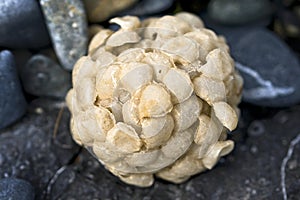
[66, 21]
[236, 12]
[270, 69]
[194, 6]
[149, 7]
[98, 11]
[42, 76]
[24, 25]
[13, 188]
[37, 147]
[12, 100]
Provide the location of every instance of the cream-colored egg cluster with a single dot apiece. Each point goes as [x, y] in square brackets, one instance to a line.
[156, 97]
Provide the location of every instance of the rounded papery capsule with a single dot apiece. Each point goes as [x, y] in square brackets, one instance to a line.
[191, 19]
[99, 39]
[124, 138]
[120, 38]
[209, 89]
[136, 78]
[226, 114]
[186, 113]
[155, 97]
[182, 48]
[143, 180]
[155, 101]
[179, 83]
[156, 131]
[219, 149]
[208, 133]
[127, 22]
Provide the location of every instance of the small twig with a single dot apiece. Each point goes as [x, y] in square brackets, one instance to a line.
[57, 121]
[284, 163]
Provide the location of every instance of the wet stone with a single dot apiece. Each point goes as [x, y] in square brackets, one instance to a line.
[148, 7]
[22, 25]
[13, 188]
[237, 12]
[42, 76]
[39, 145]
[66, 21]
[12, 101]
[270, 69]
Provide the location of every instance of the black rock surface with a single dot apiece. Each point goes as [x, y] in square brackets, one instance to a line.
[12, 101]
[22, 24]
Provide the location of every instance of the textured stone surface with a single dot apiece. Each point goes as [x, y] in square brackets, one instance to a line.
[270, 69]
[33, 150]
[13, 188]
[148, 7]
[12, 101]
[66, 21]
[234, 12]
[22, 24]
[42, 76]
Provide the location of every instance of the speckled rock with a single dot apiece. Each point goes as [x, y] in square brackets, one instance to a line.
[22, 24]
[66, 21]
[12, 101]
[42, 76]
[234, 12]
[37, 147]
[13, 188]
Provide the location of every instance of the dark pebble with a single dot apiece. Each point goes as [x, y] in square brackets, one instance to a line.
[237, 12]
[22, 24]
[148, 7]
[12, 101]
[270, 69]
[16, 189]
[42, 76]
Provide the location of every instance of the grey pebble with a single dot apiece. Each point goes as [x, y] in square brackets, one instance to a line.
[66, 21]
[16, 189]
[12, 102]
[42, 76]
[236, 12]
[270, 69]
[148, 7]
[22, 25]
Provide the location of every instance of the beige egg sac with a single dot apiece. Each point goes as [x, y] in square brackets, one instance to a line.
[155, 98]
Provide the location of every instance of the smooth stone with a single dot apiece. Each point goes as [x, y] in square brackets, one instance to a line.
[42, 76]
[194, 6]
[98, 11]
[66, 21]
[22, 25]
[12, 101]
[270, 69]
[149, 7]
[13, 188]
[237, 12]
